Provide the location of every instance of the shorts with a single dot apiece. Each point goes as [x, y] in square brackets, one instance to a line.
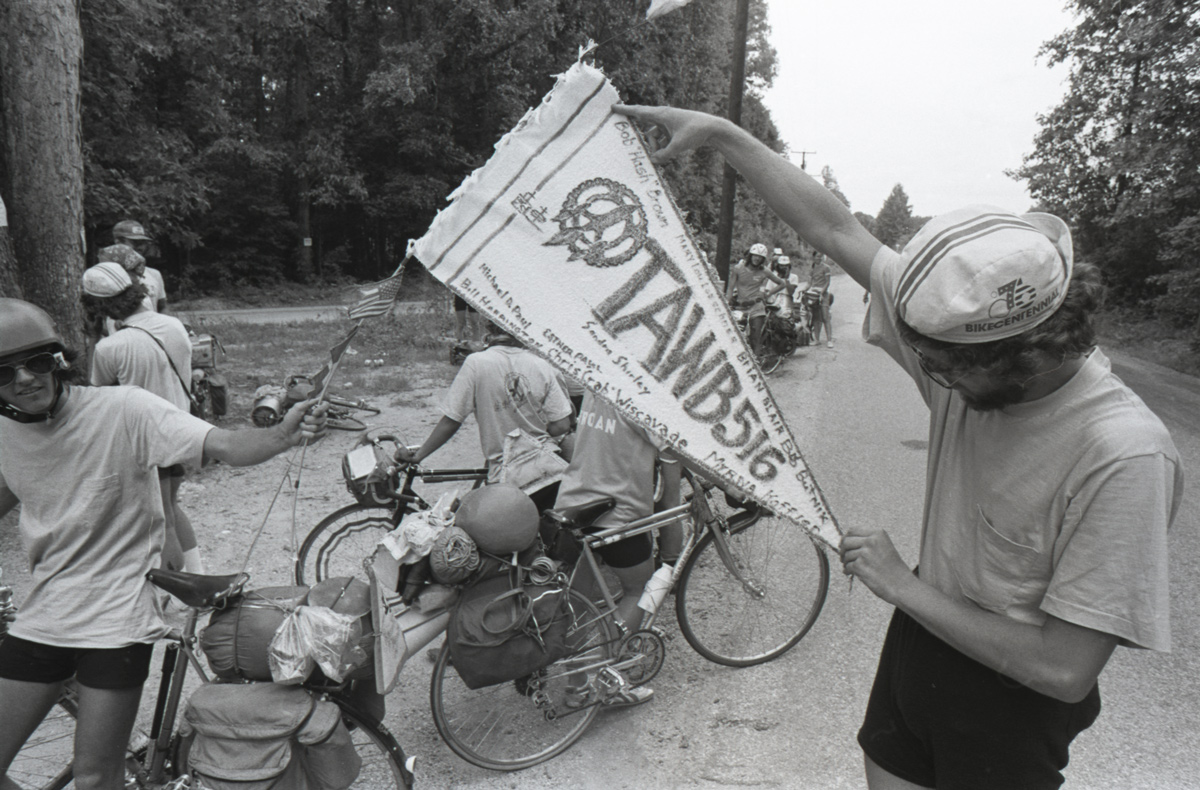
[460, 304]
[940, 719]
[625, 553]
[98, 668]
[165, 472]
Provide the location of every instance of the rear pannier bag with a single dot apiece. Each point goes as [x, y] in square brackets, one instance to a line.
[237, 638]
[501, 629]
[265, 736]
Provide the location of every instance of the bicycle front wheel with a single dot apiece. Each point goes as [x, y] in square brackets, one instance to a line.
[44, 762]
[521, 723]
[784, 580]
[340, 542]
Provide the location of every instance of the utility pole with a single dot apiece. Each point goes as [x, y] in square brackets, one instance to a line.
[741, 22]
[803, 160]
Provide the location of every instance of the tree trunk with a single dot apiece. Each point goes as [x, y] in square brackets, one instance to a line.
[41, 54]
[10, 282]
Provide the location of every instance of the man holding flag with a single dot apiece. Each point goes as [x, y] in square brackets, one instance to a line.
[1050, 489]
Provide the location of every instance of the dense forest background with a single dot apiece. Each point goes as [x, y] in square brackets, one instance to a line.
[236, 131]
[306, 141]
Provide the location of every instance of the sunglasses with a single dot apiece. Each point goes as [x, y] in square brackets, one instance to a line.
[38, 365]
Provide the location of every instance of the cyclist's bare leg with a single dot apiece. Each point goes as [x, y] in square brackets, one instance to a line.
[633, 582]
[827, 320]
[172, 554]
[880, 779]
[186, 534]
[25, 704]
[756, 330]
[102, 730]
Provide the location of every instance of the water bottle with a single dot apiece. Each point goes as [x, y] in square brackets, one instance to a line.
[656, 589]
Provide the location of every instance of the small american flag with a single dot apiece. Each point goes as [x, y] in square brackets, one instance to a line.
[376, 299]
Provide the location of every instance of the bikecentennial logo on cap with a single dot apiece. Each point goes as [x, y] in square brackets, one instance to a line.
[981, 273]
[106, 279]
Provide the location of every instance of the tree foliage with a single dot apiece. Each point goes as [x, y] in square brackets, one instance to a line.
[1119, 158]
[235, 131]
[895, 223]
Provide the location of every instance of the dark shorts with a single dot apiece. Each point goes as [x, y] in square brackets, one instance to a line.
[98, 668]
[460, 304]
[937, 718]
[629, 552]
[165, 472]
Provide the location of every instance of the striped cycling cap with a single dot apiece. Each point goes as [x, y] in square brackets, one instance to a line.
[979, 274]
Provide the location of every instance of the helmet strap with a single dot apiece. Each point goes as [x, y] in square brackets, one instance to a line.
[15, 414]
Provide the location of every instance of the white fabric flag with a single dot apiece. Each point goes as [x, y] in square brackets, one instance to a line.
[568, 238]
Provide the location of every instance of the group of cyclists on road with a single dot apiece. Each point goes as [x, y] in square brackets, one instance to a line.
[759, 289]
[1050, 485]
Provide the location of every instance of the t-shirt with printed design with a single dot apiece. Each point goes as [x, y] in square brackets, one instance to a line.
[614, 457]
[746, 284]
[506, 387]
[91, 518]
[1058, 506]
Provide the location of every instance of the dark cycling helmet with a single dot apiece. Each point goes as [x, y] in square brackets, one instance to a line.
[129, 229]
[24, 327]
[500, 518]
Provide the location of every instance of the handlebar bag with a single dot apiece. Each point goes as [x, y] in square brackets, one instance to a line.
[501, 629]
[265, 736]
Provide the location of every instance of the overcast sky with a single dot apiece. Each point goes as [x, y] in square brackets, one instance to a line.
[938, 95]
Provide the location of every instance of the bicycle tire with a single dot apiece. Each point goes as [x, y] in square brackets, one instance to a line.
[44, 762]
[731, 624]
[340, 542]
[345, 423]
[499, 727]
[770, 363]
[382, 757]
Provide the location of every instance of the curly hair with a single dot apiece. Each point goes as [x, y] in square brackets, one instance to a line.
[118, 307]
[1069, 332]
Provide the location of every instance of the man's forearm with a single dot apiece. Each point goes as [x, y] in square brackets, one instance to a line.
[1058, 659]
[246, 447]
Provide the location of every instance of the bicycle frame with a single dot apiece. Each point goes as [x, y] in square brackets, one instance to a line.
[702, 520]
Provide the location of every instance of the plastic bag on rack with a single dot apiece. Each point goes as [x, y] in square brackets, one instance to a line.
[316, 636]
[413, 539]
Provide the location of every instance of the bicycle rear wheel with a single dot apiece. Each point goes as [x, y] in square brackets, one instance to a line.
[340, 542]
[383, 761]
[44, 762]
[742, 623]
[770, 363]
[509, 726]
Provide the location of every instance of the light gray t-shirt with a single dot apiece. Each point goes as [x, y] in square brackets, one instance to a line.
[130, 356]
[92, 519]
[1058, 506]
[506, 387]
[613, 457]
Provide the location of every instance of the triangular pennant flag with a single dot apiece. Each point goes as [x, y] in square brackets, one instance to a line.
[568, 239]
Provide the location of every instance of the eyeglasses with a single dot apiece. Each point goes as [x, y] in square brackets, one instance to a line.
[937, 378]
[38, 365]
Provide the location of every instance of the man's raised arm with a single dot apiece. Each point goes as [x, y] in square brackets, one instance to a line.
[811, 209]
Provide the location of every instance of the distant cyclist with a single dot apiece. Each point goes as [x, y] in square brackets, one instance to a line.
[746, 291]
[784, 296]
[819, 281]
[134, 235]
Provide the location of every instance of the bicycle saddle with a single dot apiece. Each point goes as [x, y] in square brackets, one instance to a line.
[197, 590]
[581, 515]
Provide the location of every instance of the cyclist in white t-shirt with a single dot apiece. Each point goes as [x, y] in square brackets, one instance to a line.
[82, 463]
[1050, 488]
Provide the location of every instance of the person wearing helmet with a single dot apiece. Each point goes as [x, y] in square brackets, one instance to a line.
[783, 296]
[1050, 486]
[745, 291]
[82, 463]
[152, 351]
[507, 388]
[133, 234]
[818, 282]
